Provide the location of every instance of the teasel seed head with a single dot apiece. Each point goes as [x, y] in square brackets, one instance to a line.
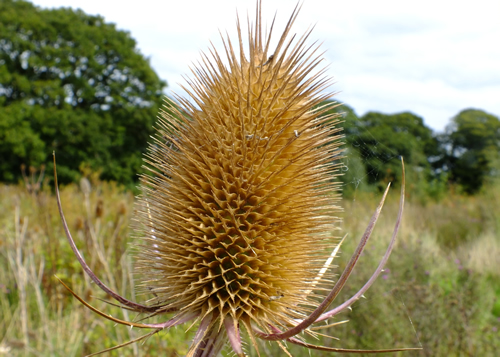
[240, 206]
[236, 219]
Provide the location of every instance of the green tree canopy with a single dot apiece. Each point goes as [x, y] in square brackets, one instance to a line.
[473, 148]
[383, 138]
[375, 142]
[72, 83]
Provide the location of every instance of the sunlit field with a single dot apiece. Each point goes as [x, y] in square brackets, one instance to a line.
[440, 290]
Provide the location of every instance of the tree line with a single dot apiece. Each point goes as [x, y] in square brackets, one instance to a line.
[466, 155]
[74, 84]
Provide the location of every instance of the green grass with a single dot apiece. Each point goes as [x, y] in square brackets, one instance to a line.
[449, 290]
[441, 289]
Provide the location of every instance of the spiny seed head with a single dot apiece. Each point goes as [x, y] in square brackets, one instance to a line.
[236, 215]
[240, 204]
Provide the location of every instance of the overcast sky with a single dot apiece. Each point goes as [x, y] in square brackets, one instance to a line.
[433, 58]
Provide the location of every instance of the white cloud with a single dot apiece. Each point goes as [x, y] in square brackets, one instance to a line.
[433, 58]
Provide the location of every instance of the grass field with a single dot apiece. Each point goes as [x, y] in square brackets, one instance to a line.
[440, 291]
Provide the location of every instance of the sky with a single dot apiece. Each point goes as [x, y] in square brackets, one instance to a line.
[432, 58]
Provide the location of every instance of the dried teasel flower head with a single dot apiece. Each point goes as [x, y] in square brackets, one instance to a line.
[242, 196]
[237, 214]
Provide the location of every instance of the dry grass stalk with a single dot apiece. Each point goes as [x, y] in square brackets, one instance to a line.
[236, 217]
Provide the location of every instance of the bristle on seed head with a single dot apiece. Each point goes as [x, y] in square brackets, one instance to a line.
[240, 203]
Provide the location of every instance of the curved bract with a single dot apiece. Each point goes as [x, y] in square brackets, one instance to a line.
[236, 217]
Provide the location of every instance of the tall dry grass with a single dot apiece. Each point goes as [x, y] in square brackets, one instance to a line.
[441, 288]
[39, 317]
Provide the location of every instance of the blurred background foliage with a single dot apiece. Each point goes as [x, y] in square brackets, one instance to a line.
[72, 83]
[440, 289]
[465, 157]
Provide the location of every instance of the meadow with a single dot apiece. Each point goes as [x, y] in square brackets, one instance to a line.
[440, 290]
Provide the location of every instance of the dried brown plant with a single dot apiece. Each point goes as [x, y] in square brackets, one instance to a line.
[236, 218]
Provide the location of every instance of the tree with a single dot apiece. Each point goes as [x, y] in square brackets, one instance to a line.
[473, 145]
[72, 83]
[384, 138]
[374, 144]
